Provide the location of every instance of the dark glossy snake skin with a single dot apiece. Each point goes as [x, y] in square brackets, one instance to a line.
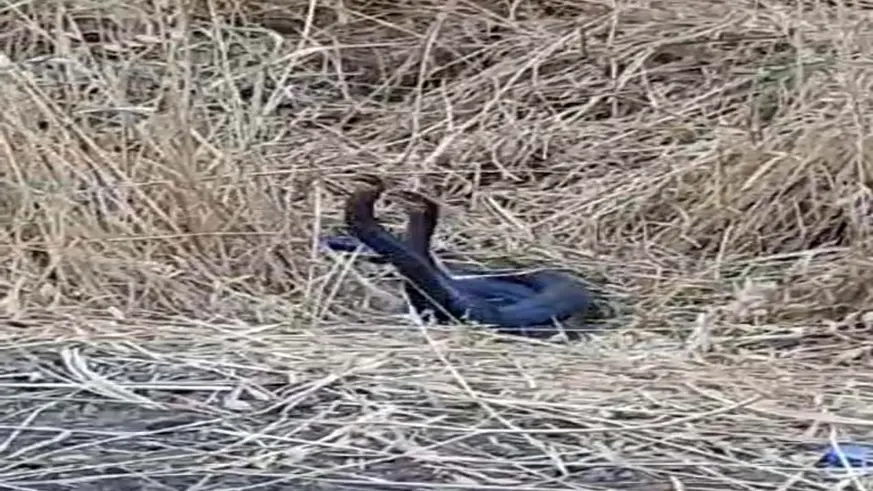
[511, 301]
[499, 287]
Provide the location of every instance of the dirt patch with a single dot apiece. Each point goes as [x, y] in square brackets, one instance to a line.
[165, 173]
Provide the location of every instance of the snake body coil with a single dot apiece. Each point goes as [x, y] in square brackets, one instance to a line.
[511, 301]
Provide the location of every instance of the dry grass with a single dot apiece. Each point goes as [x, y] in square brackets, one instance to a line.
[706, 165]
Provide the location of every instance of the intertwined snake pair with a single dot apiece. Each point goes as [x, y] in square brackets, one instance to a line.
[512, 301]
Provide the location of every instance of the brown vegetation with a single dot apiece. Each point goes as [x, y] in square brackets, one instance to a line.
[165, 168]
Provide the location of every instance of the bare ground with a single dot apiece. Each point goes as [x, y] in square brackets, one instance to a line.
[167, 322]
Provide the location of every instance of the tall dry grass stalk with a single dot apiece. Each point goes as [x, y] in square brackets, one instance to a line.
[166, 168]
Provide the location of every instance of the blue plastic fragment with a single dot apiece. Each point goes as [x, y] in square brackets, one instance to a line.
[342, 243]
[346, 244]
[853, 454]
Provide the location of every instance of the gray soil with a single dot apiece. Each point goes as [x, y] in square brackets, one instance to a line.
[56, 434]
[64, 427]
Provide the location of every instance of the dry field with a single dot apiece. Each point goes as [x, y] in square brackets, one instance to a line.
[167, 167]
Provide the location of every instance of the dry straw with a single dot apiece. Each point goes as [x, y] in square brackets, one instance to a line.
[167, 167]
